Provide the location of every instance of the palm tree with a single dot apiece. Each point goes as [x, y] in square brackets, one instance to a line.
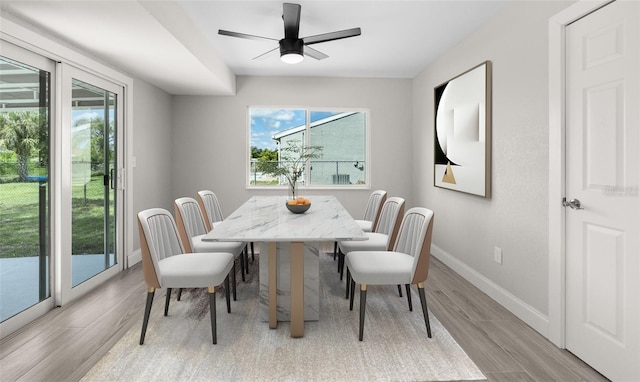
[21, 132]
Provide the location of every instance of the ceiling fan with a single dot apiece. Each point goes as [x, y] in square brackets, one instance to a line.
[292, 47]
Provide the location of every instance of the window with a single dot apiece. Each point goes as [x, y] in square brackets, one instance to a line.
[341, 136]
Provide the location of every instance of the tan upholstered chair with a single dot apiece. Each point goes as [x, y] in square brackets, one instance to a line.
[408, 263]
[371, 214]
[191, 227]
[382, 238]
[212, 212]
[166, 265]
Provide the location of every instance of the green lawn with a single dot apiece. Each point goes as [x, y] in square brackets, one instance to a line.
[19, 218]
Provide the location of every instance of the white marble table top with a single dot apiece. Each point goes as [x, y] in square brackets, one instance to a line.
[266, 218]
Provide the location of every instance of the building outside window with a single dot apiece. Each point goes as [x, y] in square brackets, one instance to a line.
[341, 134]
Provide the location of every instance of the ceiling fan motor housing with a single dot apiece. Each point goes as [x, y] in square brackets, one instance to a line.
[291, 46]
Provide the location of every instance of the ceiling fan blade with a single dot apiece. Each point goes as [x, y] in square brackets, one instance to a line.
[267, 54]
[309, 51]
[291, 17]
[332, 36]
[244, 35]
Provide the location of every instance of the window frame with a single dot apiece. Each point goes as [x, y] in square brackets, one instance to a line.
[305, 184]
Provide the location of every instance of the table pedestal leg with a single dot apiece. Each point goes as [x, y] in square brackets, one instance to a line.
[273, 287]
[297, 289]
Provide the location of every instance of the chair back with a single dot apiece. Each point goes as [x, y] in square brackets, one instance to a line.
[158, 240]
[210, 206]
[414, 238]
[372, 212]
[388, 223]
[189, 221]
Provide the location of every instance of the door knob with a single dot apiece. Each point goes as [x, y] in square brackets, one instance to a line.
[573, 203]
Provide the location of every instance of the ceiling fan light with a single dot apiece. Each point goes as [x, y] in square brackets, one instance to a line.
[291, 51]
[291, 58]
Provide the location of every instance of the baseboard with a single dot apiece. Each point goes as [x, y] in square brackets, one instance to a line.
[134, 258]
[520, 309]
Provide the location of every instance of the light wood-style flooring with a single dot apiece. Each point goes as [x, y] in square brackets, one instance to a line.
[65, 343]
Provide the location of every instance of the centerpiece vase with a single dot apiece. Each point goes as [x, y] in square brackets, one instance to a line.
[293, 191]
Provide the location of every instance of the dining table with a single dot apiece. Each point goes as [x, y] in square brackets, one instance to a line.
[290, 272]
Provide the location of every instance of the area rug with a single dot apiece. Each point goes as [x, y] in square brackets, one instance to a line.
[395, 347]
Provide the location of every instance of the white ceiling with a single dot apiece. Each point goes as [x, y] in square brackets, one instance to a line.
[175, 45]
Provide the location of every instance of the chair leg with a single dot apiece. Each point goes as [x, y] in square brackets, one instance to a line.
[352, 291]
[363, 303]
[227, 293]
[408, 296]
[339, 259]
[166, 302]
[425, 311]
[242, 266]
[399, 290]
[212, 308]
[147, 311]
[348, 284]
[179, 294]
[253, 257]
[233, 279]
[341, 264]
[335, 250]
[246, 259]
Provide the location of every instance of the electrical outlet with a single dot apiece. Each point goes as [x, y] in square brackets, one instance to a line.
[497, 255]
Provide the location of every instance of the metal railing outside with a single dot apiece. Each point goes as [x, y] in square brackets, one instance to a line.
[323, 172]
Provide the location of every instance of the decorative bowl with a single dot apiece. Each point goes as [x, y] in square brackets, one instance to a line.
[298, 208]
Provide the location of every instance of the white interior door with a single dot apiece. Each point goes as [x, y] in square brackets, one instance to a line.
[603, 174]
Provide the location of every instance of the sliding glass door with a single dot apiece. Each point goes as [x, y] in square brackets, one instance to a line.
[25, 116]
[93, 166]
[61, 194]
[92, 123]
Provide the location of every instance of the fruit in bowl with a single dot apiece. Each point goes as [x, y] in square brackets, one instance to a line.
[298, 205]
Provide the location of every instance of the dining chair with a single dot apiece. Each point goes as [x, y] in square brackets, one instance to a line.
[191, 227]
[209, 203]
[371, 214]
[210, 206]
[407, 263]
[165, 264]
[372, 211]
[382, 239]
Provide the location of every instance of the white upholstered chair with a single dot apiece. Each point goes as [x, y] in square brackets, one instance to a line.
[209, 203]
[408, 263]
[371, 214]
[191, 227]
[212, 212]
[382, 238]
[166, 265]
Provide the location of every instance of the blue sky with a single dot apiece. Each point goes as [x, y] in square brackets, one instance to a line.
[267, 122]
[78, 114]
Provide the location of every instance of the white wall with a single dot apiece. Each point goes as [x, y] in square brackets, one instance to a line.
[151, 150]
[515, 218]
[210, 144]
